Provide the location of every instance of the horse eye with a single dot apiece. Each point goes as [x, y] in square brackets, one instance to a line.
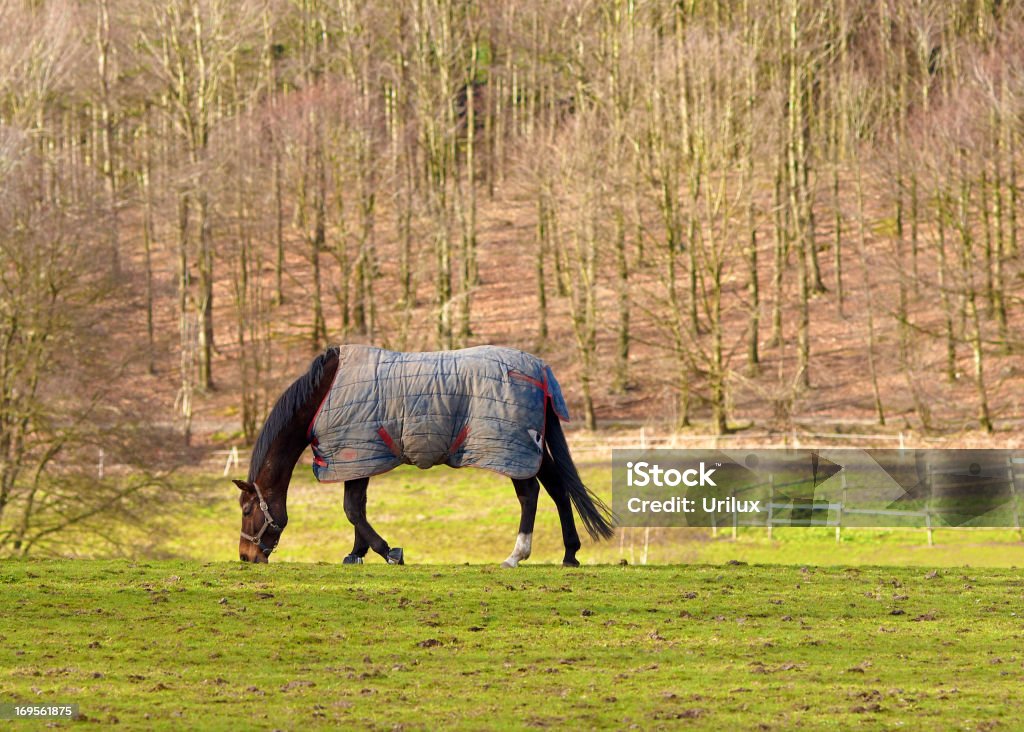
[247, 510]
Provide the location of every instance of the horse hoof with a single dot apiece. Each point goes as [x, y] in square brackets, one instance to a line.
[508, 565]
[352, 559]
[396, 556]
[570, 563]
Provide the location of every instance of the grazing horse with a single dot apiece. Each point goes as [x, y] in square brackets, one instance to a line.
[366, 410]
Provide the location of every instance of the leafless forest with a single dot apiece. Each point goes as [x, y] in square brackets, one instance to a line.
[712, 215]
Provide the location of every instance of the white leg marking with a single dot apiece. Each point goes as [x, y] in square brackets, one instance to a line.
[521, 552]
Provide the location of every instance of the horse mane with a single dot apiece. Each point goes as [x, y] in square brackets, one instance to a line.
[290, 402]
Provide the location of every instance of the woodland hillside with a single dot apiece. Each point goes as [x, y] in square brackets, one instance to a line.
[705, 215]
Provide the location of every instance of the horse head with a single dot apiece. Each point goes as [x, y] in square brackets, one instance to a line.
[264, 495]
[264, 516]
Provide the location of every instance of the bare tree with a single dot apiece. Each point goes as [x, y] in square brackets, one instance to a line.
[189, 46]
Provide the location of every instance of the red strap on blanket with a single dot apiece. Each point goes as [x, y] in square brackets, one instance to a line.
[536, 382]
[317, 457]
[389, 442]
[542, 385]
[459, 439]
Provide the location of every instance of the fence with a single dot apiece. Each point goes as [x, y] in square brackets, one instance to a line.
[842, 508]
[644, 438]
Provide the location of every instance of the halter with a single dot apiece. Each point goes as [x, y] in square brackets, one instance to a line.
[268, 523]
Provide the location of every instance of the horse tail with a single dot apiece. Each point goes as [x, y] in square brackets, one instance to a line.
[596, 516]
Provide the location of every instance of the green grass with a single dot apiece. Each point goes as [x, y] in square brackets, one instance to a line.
[455, 516]
[199, 640]
[177, 645]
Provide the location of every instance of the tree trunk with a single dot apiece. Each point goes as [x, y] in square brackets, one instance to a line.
[868, 296]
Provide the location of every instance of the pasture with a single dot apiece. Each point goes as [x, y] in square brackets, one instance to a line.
[172, 645]
[447, 516]
[800, 636]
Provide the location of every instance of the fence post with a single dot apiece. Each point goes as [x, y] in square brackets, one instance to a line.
[647, 541]
[231, 460]
[99, 465]
[735, 519]
[930, 472]
[771, 503]
[1016, 500]
[842, 503]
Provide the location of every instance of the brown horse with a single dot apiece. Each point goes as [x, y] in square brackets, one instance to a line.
[287, 432]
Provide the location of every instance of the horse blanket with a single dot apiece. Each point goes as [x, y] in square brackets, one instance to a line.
[482, 407]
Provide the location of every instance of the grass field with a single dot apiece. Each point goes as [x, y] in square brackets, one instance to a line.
[173, 645]
[455, 516]
[810, 633]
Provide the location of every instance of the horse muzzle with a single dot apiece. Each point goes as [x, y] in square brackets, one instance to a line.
[249, 552]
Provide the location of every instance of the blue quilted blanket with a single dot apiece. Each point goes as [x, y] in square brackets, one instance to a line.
[481, 407]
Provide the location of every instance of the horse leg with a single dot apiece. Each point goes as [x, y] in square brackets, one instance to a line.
[549, 478]
[527, 492]
[366, 537]
[361, 545]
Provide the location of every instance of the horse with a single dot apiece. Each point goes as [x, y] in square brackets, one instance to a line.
[366, 410]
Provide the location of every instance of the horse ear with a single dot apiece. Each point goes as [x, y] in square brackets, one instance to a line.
[243, 486]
